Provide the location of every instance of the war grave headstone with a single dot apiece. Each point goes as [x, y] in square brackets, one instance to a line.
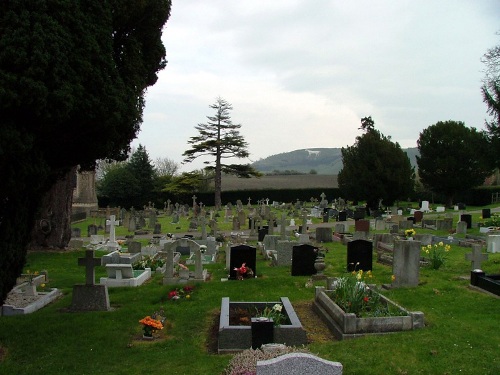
[303, 259]
[406, 263]
[298, 364]
[242, 254]
[424, 207]
[89, 296]
[359, 255]
[493, 243]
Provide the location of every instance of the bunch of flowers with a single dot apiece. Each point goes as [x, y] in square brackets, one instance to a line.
[150, 326]
[410, 233]
[184, 292]
[243, 272]
[437, 254]
[30, 276]
[353, 295]
[148, 262]
[273, 313]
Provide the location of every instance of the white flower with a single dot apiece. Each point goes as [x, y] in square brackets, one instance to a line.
[277, 307]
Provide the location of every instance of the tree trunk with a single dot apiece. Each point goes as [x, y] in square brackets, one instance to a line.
[52, 229]
[218, 184]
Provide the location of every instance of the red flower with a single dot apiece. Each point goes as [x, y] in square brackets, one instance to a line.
[188, 288]
[242, 270]
[366, 299]
[172, 294]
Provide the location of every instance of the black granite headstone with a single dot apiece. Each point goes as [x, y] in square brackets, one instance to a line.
[262, 232]
[468, 219]
[486, 213]
[262, 332]
[303, 258]
[342, 216]
[239, 255]
[359, 255]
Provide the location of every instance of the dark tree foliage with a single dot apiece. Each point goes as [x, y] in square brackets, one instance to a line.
[491, 96]
[220, 139]
[72, 81]
[375, 168]
[129, 183]
[453, 158]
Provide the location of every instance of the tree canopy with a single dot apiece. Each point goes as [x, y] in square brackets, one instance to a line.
[453, 158]
[491, 96]
[375, 168]
[220, 139]
[72, 82]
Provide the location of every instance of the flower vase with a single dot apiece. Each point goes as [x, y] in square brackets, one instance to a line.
[147, 333]
[410, 238]
[319, 265]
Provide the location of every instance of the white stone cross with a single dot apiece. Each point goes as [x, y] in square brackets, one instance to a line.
[112, 233]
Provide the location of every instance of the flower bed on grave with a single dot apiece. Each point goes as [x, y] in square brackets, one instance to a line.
[347, 325]
[235, 331]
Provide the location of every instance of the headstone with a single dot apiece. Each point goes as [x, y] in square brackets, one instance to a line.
[468, 219]
[262, 332]
[298, 364]
[476, 257]
[90, 297]
[239, 255]
[339, 228]
[303, 258]
[486, 213]
[406, 263]
[134, 247]
[92, 230]
[342, 216]
[493, 243]
[157, 228]
[425, 206]
[324, 234]
[284, 252]
[418, 215]
[461, 227]
[112, 223]
[359, 255]
[262, 233]
[362, 225]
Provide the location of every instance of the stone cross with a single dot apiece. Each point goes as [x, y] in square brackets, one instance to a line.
[112, 236]
[194, 200]
[267, 201]
[89, 262]
[476, 257]
[249, 200]
[323, 196]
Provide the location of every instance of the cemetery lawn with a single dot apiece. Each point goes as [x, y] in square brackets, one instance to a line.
[461, 333]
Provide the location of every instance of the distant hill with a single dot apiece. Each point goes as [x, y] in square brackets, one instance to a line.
[325, 161]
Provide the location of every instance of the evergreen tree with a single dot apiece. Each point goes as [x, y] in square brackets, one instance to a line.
[453, 158]
[375, 168]
[220, 139]
[72, 79]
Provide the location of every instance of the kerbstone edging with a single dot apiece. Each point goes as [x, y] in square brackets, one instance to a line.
[298, 364]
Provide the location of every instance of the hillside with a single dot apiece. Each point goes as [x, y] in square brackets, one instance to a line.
[325, 161]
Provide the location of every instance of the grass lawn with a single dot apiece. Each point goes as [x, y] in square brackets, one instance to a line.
[461, 334]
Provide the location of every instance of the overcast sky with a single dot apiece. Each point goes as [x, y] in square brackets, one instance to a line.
[302, 73]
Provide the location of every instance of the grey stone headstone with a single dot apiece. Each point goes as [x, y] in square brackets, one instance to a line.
[134, 247]
[406, 263]
[462, 227]
[298, 364]
[324, 234]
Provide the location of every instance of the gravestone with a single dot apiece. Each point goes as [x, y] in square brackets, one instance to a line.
[339, 228]
[112, 223]
[486, 213]
[303, 258]
[461, 227]
[92, 230]
[406, 263]
[493, 243]
[468, 219]
[242, 254]
[134, 247]
[89, 296]
[476, 257]
[362, 225]
[76, 232]
[262, 332]
[342, 216]
[425, 206]
[263, 232]
[418, 215]
[324, 234]
[284, 252]
[359, 255]
[157, 228]
[298, 364]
